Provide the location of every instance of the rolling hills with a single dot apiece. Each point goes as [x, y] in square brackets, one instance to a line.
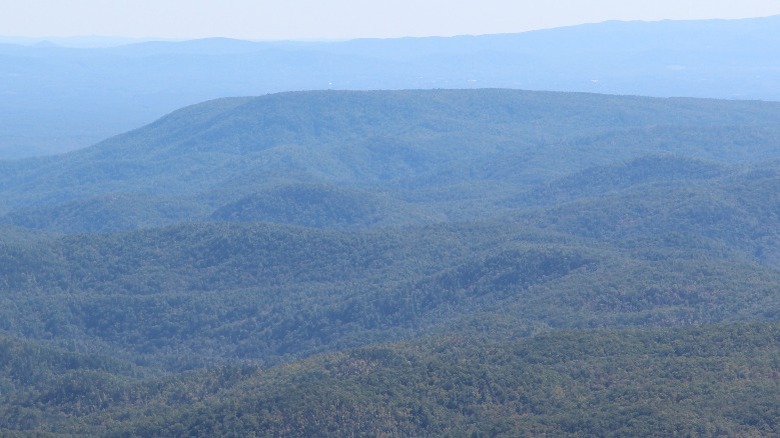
[419, 262]
[405, 146]
[707, 380]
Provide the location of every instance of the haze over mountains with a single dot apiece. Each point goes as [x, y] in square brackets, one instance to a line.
[448, 256]
[56, 99]
[417, 262]
[394, 157]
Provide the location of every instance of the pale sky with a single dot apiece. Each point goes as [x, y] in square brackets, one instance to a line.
[341, 19]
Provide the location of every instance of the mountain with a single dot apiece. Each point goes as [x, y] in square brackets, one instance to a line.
[57, 99]
[409, 210]
[418, 262]
[411, 156]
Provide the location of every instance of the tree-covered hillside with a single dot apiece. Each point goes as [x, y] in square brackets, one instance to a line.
[419, 151]
[415, 263]
[703, 381]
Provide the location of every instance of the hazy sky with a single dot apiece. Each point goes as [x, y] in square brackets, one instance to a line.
[339, 19]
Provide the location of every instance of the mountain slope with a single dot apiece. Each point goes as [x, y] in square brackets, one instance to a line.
[738, 208]
[481, 262]
[269, 293]
[696, 380]
[412, 146]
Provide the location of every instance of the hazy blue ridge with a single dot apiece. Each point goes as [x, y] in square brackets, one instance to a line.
[57, 98]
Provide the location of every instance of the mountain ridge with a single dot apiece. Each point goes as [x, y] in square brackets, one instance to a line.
[65, 87]
[478, 262]
[410, 157]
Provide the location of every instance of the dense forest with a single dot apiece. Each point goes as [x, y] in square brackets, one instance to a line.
[400, 263]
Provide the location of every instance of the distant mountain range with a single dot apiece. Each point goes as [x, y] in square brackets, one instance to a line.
[56, 99]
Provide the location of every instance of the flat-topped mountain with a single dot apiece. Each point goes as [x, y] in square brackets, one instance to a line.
[413, 156]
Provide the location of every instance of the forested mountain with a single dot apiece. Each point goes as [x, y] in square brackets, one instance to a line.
[426, 148]
[60, 98]
[433, 262]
